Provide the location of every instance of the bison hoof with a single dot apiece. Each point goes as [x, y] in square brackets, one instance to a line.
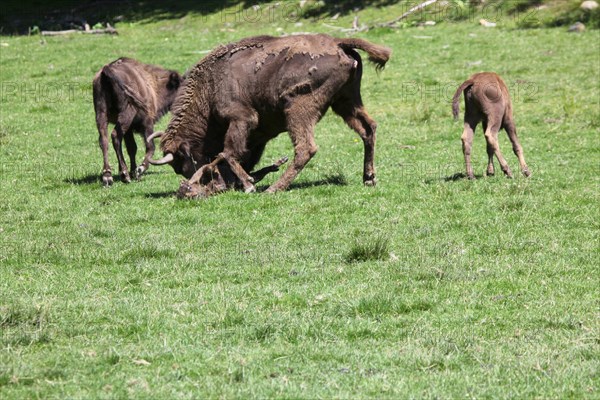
[250, 189]
[370, 182]
[527, 173]
[139, 171]
[125, 178]
[281, 161]
[107, 180]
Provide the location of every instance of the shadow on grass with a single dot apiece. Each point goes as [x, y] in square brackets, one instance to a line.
[19, 17]
[90, 179]
[86, 180]
[334, 180]
[452, 178]
[161, 195]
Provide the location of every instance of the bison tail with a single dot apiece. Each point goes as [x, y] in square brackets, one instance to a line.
[124, 88]
[378, 55]
[455, 108]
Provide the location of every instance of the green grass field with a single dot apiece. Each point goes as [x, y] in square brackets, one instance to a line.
[426, 286]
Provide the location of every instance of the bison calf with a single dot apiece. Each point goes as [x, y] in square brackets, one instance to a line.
[132, 96]
[487, 101]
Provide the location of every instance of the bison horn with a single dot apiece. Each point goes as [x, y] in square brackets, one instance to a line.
[165, 160]
[154, 135]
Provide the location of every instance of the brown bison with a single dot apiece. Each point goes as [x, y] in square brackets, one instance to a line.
[487, 101]
[132, 96]
[244, 94]
[219, 178]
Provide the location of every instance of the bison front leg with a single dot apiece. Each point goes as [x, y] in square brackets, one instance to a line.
[302, 135]
[122, 126]
[149, 151]
[234, 150]
[131, 149]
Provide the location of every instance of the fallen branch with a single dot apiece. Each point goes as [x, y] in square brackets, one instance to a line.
[390, 24]
[406, 14]
[109, 30]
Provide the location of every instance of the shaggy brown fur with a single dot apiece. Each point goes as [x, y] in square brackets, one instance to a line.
[487, 101]
[244, 94]
[133, 96]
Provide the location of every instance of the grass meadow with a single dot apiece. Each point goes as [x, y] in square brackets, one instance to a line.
[425, 286]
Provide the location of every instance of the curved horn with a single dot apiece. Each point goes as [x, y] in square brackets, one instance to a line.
[165, 160]
[153, 136]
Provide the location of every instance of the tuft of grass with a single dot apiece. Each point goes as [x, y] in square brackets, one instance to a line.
[368, 248]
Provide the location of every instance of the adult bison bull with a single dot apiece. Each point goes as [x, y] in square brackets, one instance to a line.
[244, 94]
[132, 96]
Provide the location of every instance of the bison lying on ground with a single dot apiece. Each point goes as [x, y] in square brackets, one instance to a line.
[244, 94]
[220, 178]
[487, 101]
[133, 96]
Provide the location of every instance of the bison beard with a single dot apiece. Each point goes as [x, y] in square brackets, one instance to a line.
[244, 94]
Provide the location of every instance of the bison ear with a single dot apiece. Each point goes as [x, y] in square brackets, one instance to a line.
[174, 81]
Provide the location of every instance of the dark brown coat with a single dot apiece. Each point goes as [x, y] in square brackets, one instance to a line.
[132, 96]
[244, 94]
[487, 101]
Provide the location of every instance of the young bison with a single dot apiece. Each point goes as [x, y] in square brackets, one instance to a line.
[132, 96]
[218, 177]
[487, 101]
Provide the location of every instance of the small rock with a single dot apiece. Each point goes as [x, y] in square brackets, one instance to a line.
[589, 5]
[577, 27]
[474, 63]
[487, 23]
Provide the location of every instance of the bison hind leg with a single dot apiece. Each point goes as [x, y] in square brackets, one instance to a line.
[355, 115]
[102, 125]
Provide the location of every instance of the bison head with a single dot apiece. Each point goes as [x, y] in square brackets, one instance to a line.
[182, 160]
[211, 183]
